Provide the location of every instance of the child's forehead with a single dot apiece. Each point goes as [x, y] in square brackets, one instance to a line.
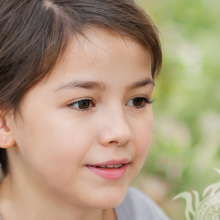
[101, 45]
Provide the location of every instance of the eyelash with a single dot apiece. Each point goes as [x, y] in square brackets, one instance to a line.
[142, 106]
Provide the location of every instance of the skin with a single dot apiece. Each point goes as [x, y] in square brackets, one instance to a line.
[48, 151]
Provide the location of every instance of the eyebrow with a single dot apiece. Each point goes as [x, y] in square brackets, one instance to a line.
[100, 85]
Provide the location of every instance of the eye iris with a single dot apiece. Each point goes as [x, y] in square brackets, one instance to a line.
[83, 105]
[138, 101]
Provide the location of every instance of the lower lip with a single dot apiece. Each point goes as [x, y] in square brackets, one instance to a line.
[112, 174]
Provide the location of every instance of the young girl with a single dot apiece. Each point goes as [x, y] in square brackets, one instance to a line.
[76, 80]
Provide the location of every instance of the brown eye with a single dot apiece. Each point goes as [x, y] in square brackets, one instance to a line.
[82, 105]
[140, 102]
[137, 101]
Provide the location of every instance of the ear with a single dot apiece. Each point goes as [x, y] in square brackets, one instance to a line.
[6, 135]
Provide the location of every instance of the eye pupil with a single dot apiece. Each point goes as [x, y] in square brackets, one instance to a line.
[83, 105]
[138, 100]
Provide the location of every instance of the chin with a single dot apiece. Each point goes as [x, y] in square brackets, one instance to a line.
[109, 199]
[107, 204]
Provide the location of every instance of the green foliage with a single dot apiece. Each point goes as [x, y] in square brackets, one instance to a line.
[185, 144]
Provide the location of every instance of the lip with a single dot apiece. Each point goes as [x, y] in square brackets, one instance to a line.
[110, 174]
[112, 162]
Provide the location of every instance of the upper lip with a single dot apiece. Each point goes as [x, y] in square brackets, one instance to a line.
[112, 162]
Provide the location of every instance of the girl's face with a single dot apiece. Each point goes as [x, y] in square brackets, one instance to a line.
[60, 136]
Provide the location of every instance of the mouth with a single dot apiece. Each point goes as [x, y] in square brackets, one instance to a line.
[112, 163]
[110, 172]
[109, 166]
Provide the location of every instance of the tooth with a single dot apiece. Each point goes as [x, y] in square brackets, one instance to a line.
[112, 166]
[119, 165]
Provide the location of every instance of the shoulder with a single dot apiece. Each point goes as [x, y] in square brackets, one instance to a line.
[138, 206]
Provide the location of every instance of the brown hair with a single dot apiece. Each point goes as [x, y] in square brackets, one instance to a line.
[35, 33]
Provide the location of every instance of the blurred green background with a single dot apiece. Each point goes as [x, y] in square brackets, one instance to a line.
[186, 141]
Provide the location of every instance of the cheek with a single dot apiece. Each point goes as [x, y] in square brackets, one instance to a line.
[143, 135]
[53, 148]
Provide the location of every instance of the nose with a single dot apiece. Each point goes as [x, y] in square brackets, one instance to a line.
[115, 129]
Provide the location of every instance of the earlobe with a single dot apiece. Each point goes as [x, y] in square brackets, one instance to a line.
[7, 142]
[6, 138]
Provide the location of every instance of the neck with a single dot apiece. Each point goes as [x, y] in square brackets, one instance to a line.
[23, 199]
